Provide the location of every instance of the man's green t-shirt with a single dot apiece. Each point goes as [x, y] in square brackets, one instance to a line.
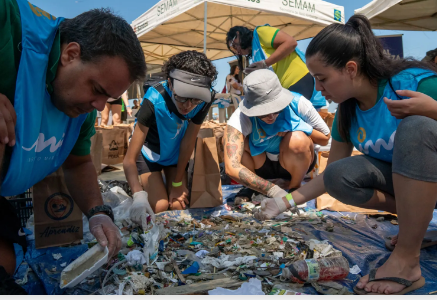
[427, 86]
[10, 39]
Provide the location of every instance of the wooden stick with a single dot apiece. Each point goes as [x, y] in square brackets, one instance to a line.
[199, 287]
[178, 272]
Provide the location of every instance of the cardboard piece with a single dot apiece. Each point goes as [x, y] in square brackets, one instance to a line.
[58, 219]
[96, 151]
[206, 187]
[327, 117]
[114, 145]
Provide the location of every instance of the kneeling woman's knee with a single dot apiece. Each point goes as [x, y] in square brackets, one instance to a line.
[296, 143]
[415, 130]
[340, 183]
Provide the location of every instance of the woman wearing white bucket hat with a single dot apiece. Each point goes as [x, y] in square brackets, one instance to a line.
[271, 135]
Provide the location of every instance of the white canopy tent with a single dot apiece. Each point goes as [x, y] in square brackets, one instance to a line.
[418, 15]
[172, 26]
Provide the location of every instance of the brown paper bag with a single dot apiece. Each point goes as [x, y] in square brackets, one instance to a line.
[113, 145]
[58, 219]
[328, 202]
[218, 131]
[206, 188]
[128, 128]
[96, 151]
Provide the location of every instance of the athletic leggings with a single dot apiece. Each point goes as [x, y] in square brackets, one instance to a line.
[353, 180]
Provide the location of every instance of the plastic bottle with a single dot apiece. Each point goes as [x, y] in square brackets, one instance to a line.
[312, 270]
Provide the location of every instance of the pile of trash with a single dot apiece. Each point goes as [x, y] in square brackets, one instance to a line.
[216, 255]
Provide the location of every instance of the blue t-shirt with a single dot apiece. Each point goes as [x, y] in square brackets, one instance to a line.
[374, 130]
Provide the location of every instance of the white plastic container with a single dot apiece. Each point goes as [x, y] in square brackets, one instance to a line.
[83, 266]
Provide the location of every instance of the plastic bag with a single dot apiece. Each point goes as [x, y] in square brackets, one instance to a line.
[121, 212]
[151, 243]
[135, 257]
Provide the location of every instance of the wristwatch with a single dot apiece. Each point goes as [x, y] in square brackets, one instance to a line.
[106, 209]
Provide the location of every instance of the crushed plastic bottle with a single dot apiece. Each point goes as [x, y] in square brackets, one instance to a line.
[313, 270]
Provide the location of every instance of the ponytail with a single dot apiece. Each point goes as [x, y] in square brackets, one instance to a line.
[338, 44]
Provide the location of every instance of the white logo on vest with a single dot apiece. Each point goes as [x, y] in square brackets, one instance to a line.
[40, 143]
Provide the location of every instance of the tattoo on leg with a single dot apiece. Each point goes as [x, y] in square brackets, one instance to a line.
[251, 180]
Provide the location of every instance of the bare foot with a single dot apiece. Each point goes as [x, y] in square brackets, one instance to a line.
[395, 266]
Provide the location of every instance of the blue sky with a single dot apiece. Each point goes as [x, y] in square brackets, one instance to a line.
[416, 43]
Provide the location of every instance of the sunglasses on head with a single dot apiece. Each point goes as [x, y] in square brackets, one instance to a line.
[234, 46]
[265, 116]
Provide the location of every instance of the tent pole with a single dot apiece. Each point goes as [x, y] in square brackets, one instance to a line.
[205, 19]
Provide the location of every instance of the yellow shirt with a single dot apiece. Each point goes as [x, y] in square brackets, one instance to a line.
[291, 68]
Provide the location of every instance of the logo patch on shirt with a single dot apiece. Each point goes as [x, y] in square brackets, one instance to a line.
[377, 146]
[40, 143]
[361, 134]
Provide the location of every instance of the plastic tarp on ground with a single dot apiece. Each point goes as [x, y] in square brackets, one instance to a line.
[173, 26]
[360, 243]
[418, 15]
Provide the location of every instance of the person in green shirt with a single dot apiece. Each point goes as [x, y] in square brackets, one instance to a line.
[388, 111]
[85, 68]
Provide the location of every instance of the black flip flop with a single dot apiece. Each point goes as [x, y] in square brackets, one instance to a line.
[429, 240]
[409, 285]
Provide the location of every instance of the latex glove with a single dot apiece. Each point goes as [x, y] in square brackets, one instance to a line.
[8, 119]
[106, 233]
[418, 104]
[270, 208]
[276, 192]
[178, 194]
[256, 66]
[129, 111]
[139, 208]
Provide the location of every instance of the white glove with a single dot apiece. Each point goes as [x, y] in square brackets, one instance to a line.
[276, 192]
[139, 208]
[270, 208]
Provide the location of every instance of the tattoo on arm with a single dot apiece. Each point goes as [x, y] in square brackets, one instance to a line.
[252, 180]
[233, 151]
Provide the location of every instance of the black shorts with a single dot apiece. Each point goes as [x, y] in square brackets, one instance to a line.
[305, 86]
[119, 101]
[145, 166]
[10, 225]
[273, 169]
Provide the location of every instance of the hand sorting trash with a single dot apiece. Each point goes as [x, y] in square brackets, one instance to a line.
[170, 253]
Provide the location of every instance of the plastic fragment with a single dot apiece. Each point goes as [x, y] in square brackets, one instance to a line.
[253, 287]
[57, 256]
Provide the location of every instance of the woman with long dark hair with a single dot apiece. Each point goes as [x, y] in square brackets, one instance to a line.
[233, 84]
[268, 47]
[388, 111]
